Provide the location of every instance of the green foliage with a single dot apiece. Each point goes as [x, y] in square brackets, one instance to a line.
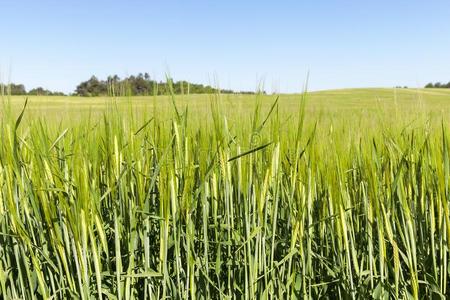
[141, 85]
[40, 91]
[91, 88]
[286, 202]
[19, 89]
[12, 89]
[438, 85]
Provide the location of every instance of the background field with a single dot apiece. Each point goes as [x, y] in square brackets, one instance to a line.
[330, 194]
[351, 100]
[355, 113]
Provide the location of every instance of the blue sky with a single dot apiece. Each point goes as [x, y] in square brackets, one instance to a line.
[57, 44]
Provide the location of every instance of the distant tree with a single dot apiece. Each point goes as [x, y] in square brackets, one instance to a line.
[438, 85]
[40, 91]
[57, 94]
[19, 89]
[13, 89]
[91, 88]
[141, 85]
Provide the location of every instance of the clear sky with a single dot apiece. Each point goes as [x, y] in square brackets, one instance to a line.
[57, 44]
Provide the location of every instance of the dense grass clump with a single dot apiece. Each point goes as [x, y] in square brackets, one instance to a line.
[283, 202]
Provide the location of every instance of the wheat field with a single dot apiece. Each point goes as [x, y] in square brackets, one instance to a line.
[333, 194]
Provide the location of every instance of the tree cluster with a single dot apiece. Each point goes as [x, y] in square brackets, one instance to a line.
[438, 85]
[19, 89]
[40, 91]
[141, 85]
[12, 89]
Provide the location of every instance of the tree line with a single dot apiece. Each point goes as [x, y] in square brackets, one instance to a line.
[438, 85]
[19, 89]
[142, 85]
[134, 85]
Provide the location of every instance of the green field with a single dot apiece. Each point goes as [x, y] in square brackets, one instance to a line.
[332, 194]
[361, 100]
